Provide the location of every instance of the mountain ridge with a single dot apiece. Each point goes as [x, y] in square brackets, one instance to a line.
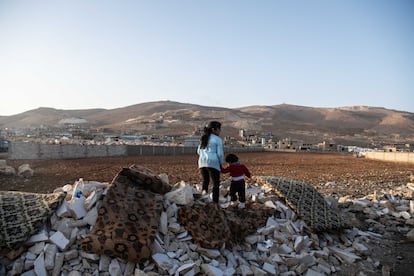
[349, 123]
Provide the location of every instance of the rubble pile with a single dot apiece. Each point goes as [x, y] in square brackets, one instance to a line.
[285, 245]
[23, 170]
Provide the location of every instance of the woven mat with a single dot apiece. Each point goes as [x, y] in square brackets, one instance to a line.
[24, 214]
[308, 203]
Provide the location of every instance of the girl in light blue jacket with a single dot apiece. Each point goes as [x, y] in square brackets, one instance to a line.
[211, 157]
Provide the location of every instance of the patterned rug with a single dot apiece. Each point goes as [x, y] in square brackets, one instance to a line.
[213, 227]
[308, 203]
[129, 216]
[24, 214]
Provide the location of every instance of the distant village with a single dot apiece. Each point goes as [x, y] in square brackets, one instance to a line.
[78, 134]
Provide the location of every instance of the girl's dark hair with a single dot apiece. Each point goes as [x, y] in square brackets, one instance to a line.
[208, 129]
[231, 158]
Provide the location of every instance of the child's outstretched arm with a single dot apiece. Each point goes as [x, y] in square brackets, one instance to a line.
[225, 169]
[247, 172]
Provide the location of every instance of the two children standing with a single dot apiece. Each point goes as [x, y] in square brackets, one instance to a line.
[210, 163]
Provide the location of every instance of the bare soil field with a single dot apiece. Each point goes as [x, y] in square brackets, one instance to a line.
[331, 174]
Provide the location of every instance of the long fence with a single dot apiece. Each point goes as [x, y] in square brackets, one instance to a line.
[33, 151]
[404, 157]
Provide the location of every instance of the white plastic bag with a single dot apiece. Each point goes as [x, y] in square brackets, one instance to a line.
[78, 191]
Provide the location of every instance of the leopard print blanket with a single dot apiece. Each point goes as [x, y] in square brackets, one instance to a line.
[306, 202]
[129, 216]
[213, 227]
[24, 214]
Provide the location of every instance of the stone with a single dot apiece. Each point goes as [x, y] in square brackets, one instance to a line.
[183, 269]
[104, 262]
[211, 270]
[77, 207]
[311, 272]
[92, 199]
[284, 246]
[299, 244]
[50, 253]
[39, 266]
[91, 216]
[361, 249]
[182, 195]
[3, 163]
[349, 257]
[115, 268]
[211, 253]
[163, 227]
[269, 268]
[18, 267]
[60, 240]
[25, 171]
[129, 268]
[37, 248]
[410, 235]
[63, 210]
[258, 271]
[163, 261]
[41, 236]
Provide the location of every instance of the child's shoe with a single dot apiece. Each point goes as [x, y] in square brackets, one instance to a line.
[233, 203]
[242, 205]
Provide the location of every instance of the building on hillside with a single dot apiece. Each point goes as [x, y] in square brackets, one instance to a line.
[306, 147]
[327, 146]
[342, 148]
[290, 144]
[242, 133]
[402, 147]
[131, 138]
[390, 148]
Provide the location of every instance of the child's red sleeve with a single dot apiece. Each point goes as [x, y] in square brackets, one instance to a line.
[247, 172]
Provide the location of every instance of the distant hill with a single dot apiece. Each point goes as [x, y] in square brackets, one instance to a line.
[355, 124]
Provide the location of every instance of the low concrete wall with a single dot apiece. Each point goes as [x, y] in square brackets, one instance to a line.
[405, 157]
[32, 151]
[134, 150]
[21, 150]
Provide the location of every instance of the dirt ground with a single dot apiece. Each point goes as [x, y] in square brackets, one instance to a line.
[331, 174]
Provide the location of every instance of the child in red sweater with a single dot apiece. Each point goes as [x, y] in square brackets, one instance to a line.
[238, 172]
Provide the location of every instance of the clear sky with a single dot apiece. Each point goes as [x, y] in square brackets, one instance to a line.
[80, 54]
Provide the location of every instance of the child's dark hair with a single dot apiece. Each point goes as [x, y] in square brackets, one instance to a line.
[208, 129]
[231, 158]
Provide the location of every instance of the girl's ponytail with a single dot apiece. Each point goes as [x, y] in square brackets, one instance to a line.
[208, 129]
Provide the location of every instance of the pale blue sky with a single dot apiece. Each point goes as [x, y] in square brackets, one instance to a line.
[80, 54]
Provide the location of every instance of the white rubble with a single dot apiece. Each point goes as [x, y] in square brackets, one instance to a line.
[25, 171]
[6, 169]
[284, 246]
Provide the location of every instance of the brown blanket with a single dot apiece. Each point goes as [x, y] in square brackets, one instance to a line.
[213, 227]
[129, 216]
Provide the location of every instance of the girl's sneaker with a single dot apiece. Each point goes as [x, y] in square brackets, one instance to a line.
[242, 205]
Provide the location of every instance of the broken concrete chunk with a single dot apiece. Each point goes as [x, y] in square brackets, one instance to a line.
[347, 256]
